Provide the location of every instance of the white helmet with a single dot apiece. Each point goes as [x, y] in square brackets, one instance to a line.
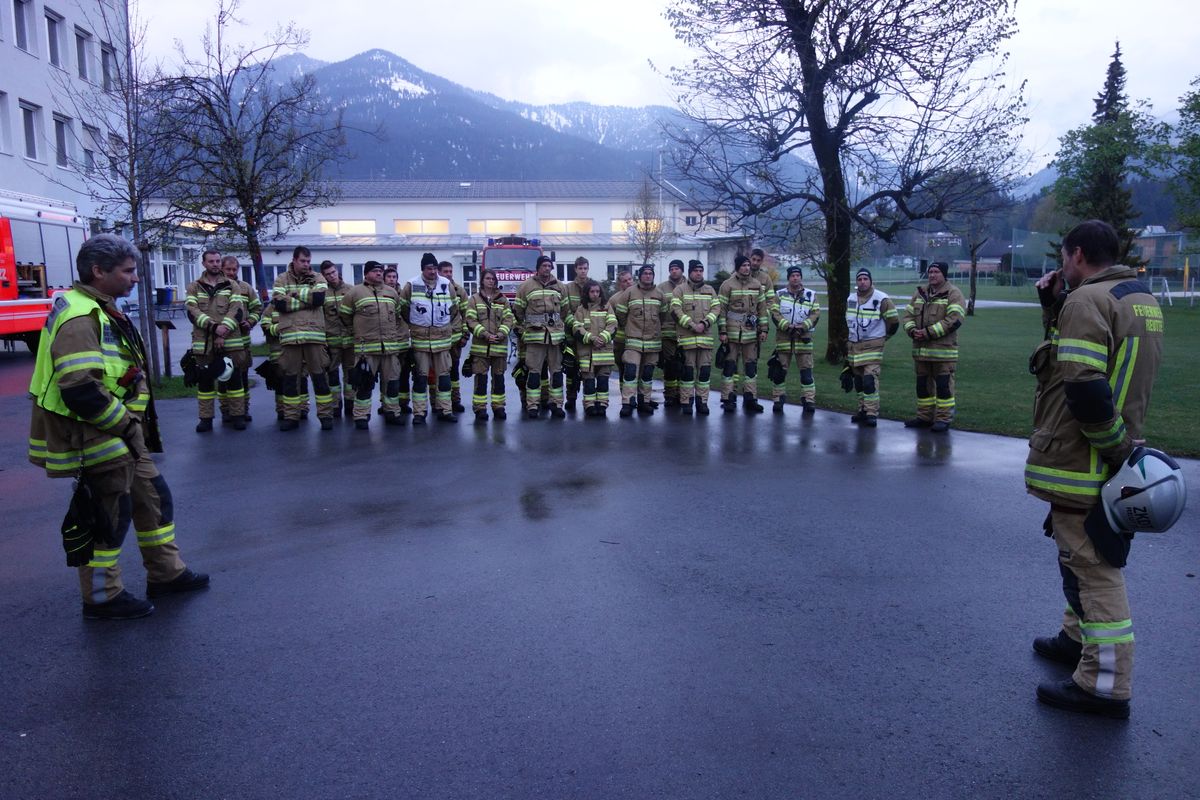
[1146, 494]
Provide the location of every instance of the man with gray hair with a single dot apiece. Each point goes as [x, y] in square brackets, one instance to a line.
[93, 420]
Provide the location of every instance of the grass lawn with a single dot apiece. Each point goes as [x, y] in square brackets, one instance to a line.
[995, 390]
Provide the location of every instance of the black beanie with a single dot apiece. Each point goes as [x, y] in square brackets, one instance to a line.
[675, 262]
[428, 259]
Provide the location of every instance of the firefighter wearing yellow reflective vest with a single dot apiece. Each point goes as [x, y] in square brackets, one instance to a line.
[1094, 375]
[247, 311]
[872, 319]
[93, 420]
[593, 325]
[671, 361]
[339, 338]
[695, 310]
[462, 333]
[371, 311]
[641, 312]
[209, 307]
[432, 313]
[299, 297]
[796, 313]
[490, 321]
[743, 326]
[541, 310]
[932, 319]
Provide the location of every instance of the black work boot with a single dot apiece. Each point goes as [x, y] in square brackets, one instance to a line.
[1060, 648]
[204, 425]
[362, 424]
[446, 416]
[392, 418]
[626, 410]
[570, 403]
[940, 426]
[729, 404]
[810, 408]
[777, 406]
[644, 406]
[685, 406]
[288, 424]
[418, 419]
[917, 422]
[702, 408]
[499, 413]
[750, 404]
[186, 581]
[326, 423]
[1068, 696]
[480, 417]
[556, 412]
[238, 423]
[870, 421]
[123, 606]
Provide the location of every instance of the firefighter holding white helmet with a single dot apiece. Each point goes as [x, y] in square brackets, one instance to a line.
[1094, 375]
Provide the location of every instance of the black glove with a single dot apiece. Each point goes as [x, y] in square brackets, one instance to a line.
[847, 379]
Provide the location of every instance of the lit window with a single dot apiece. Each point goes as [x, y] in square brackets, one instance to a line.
[627, 225]
[565, 226]
[493, 226]
[421, 225]
[348, 227]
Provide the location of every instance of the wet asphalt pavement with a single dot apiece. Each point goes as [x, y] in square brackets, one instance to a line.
[776, 607]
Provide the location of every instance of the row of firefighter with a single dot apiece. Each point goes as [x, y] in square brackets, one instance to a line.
[569, 341]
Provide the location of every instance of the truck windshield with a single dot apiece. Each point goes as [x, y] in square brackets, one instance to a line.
[514, 258]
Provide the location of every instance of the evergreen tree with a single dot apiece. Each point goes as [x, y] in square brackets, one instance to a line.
[1094, 161]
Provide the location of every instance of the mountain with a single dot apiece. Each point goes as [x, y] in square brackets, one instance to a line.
[436, 129]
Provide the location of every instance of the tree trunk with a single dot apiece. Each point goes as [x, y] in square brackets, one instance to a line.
[974, 275]
[260, 273]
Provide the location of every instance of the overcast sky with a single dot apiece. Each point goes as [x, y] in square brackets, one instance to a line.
[549, 51]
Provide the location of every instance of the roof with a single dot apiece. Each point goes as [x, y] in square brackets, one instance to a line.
[493, 190]
[615, 241]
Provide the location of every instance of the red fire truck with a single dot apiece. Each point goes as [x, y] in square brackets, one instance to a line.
[38, 241]
[514, 258]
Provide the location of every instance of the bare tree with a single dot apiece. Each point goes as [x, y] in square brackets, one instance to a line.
[259, 143]
[977, 218]
[646, 224]
[845, 108]
[123, 150]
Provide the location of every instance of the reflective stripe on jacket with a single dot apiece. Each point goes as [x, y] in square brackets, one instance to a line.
[940, 315]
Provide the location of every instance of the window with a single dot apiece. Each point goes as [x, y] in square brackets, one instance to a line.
[91, 144]
[108, 68]
[565, 226]
[54, 38]
[421, 225]
[83, 53]
[116, 155]
[5, 125]
[31, 117]
[62, 141]
[21, 23]
[711, 220]
[627, 226]
[348, 227]
[691, 221]
[493, 226]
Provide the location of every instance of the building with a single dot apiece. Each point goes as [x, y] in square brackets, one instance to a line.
[395, 221]
[52, 54]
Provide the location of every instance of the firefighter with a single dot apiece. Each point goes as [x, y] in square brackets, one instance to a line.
[743, 328]
[593, 326]
[932, 319]
[795, 312]
[624, 281]
[1094, 375]
[575, 296]
[490, 320]
[432, 314]
[541, 309]
[248, 312]
[641, 311]
[299, 297]
[672, 360]
[93, 419]
[872, 319]
[391, 277]
[446, 270]
[695, 309]
[371, 311]
[339, 338]
[209, 308]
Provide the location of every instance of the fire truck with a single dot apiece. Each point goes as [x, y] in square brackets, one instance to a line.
[514, 258]
[38, 241]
